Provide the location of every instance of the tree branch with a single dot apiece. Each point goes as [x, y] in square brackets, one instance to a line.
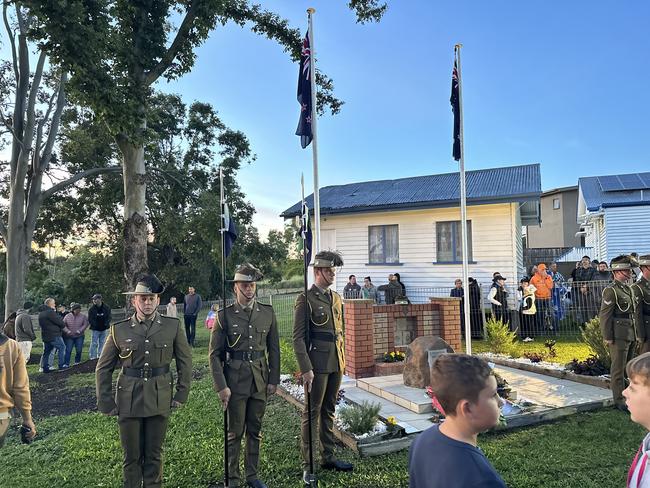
[12, 40]
[181, 36]
[54, 126]
[78, 176]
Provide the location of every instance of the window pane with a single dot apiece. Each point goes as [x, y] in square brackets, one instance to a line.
[392, 244]
[375, 244]
[444, 241]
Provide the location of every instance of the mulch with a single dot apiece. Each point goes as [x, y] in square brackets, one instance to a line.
[52, 397]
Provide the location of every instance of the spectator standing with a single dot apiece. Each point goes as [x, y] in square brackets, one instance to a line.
[99, 317]
[557, 295]
[25, 335]
[588, 308]
[212, 316]
[402, 285]
[172, 311]
[369, 290]
[76, 324]
[352, 289]
[498, 297]
[458, 292]
[603, 276]
[14, 388]
[585, 272]
[475, 308]
[543, 284]
[191, 308]
[52, 326]
[391, 290]
[527, 308]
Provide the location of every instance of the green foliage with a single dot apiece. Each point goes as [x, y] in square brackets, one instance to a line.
[593, 337]
[592, 366]
[359, 419]
[499, 338]
[288, 362]
[567, 349]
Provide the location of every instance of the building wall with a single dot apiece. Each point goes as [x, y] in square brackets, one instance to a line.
[559, 226]
[624, 230]
[495, 232]
[595, 237]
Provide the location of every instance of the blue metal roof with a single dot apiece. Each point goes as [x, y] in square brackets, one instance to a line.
[495, 185]
[615, 190]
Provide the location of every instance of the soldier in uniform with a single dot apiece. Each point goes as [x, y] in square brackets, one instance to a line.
[642, 292]
[143, 347]
[617, 316]
[321, 365]
[245, 364]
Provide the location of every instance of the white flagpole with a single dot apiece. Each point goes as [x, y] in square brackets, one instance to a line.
[463, 209]
[314, 140]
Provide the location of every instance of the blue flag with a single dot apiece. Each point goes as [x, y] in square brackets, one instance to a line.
[230, 230]
[304, 95]
[305, 232]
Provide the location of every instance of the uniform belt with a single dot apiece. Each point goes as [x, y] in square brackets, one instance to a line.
[622, 315]
[646, 310]
[323, 336]
[247, 355]
[145, 372]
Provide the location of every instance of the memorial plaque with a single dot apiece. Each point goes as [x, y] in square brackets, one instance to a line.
[433, 354]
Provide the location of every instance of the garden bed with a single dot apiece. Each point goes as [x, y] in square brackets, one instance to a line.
[550, 369]
[378, 441]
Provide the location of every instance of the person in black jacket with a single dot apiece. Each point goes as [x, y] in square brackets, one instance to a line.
[52, 330]
[99, 316]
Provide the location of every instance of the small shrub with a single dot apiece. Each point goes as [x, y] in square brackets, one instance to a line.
[288, 362]
[394, 357]
[360, 419]
[550, 345]
[592, 366]
[593, 337]
[534, 357]
[499, 338]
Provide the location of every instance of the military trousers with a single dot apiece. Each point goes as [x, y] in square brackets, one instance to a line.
[621, 352]
[245, 413]
[142, 439]
[324, 390]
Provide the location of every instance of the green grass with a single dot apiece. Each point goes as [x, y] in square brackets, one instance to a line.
[567, 348]
[590, 450]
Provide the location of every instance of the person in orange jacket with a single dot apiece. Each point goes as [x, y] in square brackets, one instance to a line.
[543, 284]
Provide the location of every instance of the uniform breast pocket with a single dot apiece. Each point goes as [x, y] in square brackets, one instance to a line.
[163, 352]
[261, 331]
[320, 317]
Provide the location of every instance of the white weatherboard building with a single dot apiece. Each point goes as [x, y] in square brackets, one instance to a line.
[412, 226]
[611, 211]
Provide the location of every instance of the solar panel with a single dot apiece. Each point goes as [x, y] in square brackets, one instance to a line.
[645, 177]
[610, 183]
[632, 182]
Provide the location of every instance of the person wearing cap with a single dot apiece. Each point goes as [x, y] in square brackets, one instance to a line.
[498, 297]
[76, 324]
[245, 364]
[617, 316]
[641, 289]
[544, 285]
[318, 344]
[99, 316]
[142, 347]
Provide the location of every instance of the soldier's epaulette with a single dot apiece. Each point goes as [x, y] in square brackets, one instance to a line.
[169, 317]
[123, 321]
[265, 304]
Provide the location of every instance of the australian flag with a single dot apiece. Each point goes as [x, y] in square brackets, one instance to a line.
[304, 94]
[455, 107]
[305, 232]
[229, 231]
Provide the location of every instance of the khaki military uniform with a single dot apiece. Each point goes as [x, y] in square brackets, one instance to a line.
[641, 291]
[617, 317]
[245, 357]
[326, 357]
[144, 392]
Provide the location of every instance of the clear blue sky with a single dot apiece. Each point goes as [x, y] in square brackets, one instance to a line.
[564, 84]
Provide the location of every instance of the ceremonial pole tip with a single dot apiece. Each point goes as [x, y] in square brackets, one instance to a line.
[311, 10]
[459, 45]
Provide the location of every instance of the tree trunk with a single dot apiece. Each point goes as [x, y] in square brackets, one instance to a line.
[135, 219]
[17, 260]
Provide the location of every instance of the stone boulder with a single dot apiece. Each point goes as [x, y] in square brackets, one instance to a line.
[416, 366]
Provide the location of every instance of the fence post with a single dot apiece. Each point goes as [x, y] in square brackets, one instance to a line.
[482, 311]
[271, 299]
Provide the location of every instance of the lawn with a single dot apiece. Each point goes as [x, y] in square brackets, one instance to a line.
[83, 450]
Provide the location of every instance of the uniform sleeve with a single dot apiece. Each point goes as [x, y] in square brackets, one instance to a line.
[637, 295]
[606, 315]
[183, 355]
[273, 349]
[217, 352]
[300, 324]
[104, 374]
[20, 388]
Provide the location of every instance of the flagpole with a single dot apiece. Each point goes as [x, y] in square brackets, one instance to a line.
[463, 210]
[314, 141]
[226, 474]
